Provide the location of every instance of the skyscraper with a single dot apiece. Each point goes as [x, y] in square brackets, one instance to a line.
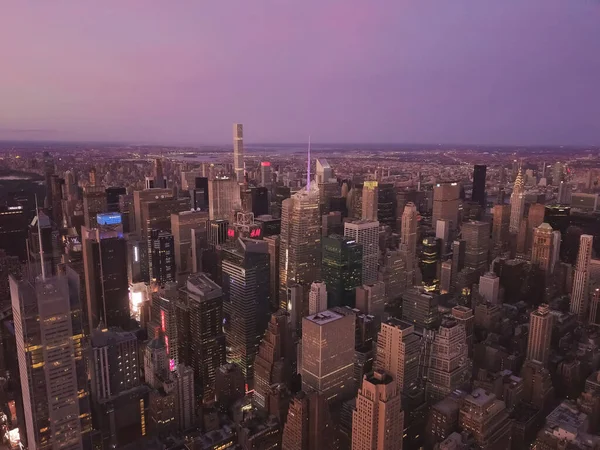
[487, 419]
[489, 287]
[387, 205]
[370, 200]
[159, 178]
[266, 178]
[300, 241]
[366, 233]
[223, 198]
[408, 238]
[477, 237]
[399, 353]
[540, 333]
[182, 224]
[49, 341]
[378, 419]
[341, 269]
[238, 152]
[541, 251]
[446, 199]
[317, 298]
[94, 202]
[245, 265]
[105, 268]
[517, 204]
[308, 425]
[324, 172]
[535, 218]
[501, 220]
[478, 195]
[581, 281]
[370, 299]
[163, 257]
[328, 354]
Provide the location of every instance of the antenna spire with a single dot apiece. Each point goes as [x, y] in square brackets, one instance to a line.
[39, 227]
[308, 167]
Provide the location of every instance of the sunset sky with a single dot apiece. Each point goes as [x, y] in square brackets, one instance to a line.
[400, 71]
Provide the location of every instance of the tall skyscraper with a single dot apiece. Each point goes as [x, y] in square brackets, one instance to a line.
[399, 353]
[223, 198]
[581, 281]
[273, 247]
[341, 269]
[446, 199]
[408, 238]
[535, 218]
[487, 419]
[478, 195]
[324, 172]
[489, 287]
[159, 178]
[317, 298]
[238, 152]
[420, 308]
[378, 419]
[557, 173]
[370, 200]
[477, 237]
[366, 233]
[162, 257]
[517, 204]
[266, 177]
[105, 268]
[182, 224]
[387, 205]
[370, 299]
[449, 365]
[245, 265]
[308, 425]
[94, 202]
[500, 233]
[541, 251]
[300, 241]
[49, 340]
[328, 354]
[540, 333]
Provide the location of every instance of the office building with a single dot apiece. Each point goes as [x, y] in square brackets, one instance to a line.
[477, 237]
[260, 201]
[50, 348]
[182, 224]
[500, 227]
[341, 269]
[94, 202]
[105, 267]
[224, 198]
[478, 195]
[387, 205]
[535, 217]
[408, 235]
[445, 277]
[517, 204]
[449, 366]
[378, 419]
[317, 298]
[238, 153]
[446, 200]
[366, 233]
[13, 231]
[162, 257]
[419, 308]
[273, 248]
[428, 262]
[489, 287]
[300, 241]
[245, 265]
[581, 281]
[399, 353]
[564, 194]
[113, 195]
[324, 172]
[370, 299]
[230, 386]
[458, 261]
[542, 253]
[370, 200]
[328, 354]
[159, 180]
[487, 419]
[308, 425]
[540, 334]
[392, 272]
[584, 202]
[266, 177]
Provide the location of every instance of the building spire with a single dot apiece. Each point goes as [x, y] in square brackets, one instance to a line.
[308, 167]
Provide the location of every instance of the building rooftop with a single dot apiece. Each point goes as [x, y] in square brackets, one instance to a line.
[200, 284]
[378, 377]
[324, 317]
[398, 323]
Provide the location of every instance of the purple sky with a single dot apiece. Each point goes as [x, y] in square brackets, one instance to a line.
[420, 71]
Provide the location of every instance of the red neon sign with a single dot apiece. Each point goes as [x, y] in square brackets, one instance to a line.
[255, 233]
[230, 233]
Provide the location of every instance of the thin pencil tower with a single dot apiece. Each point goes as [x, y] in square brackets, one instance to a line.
[308, 166]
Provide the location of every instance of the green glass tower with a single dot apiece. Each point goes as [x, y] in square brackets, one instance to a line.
[341, 269]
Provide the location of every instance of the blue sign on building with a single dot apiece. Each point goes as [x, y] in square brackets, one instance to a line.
[108, 218]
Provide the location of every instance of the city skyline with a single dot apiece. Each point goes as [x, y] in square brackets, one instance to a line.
[399, 72]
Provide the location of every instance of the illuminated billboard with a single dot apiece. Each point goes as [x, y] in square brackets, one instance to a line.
[108, 218]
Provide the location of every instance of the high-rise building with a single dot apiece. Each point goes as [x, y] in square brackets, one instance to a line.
[238, 152]
[392, 272]
[517, 204]
[458, 261]
[581, 281]
[446, 199]
[324, 171]
[370, 200]
[105, 268]
[564, 194]
[535, 217]
[300, 241]
[378, 419]
[366, 233]
[540, 333]
[308, 425]
[328, 354]
[477, 237]
[557, 173]
[487, 419]
[408, 235]
[182, 224]
[273, 247]
[317, 298]
[478, 195]
[94, 202]
[370, 299]
[223, 198]
[230, 386]
[387, 205]
[245, 265]
[445, 277]
[489, 287]
[273, 361]
[160, 182]
[449, 365]
[260, 201]
[50, 348]
[266, 178]
[341, 269]
[501, 221]
[399, 353]
[162, 257]
[428, 262]
[541, 250]
[420, 308]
